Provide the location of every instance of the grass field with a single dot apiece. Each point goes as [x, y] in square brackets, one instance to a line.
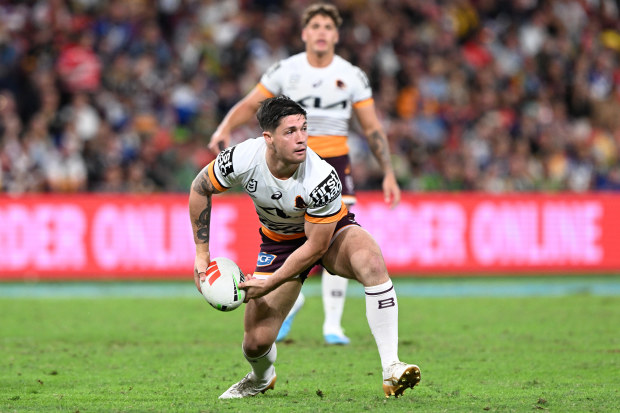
[498, 354]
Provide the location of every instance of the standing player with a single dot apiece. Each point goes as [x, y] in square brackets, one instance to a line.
[330, 89]
[297, 197]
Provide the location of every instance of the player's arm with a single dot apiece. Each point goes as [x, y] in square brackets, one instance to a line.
[200, 215]
[379, 145]
[316, 245]
[238, 115]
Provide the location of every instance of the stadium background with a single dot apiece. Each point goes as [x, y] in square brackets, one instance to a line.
[503, 118]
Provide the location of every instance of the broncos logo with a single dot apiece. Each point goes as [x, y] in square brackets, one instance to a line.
[299, 202]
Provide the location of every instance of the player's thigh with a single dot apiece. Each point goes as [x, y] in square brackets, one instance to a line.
[356, 255]
[264, 315]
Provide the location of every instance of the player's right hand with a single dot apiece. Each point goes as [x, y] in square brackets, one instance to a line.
[219, 141]
[201, 263]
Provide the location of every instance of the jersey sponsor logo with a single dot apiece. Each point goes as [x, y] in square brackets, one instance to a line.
[224, 161]
[277, 195]
[251, 185]
[317, 103]
[317, 83]
[326, 191]
[265, 259]
[273, 211]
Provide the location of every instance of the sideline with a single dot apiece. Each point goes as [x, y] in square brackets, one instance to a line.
[406, 287]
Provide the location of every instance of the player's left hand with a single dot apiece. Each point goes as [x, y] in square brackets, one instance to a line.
[254, 288]
[391, 191]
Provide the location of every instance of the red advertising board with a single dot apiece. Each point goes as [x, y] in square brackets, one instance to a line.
[481, 233]
[114, 236]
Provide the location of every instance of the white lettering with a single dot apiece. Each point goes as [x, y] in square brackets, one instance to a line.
[15, 244]
[44, 237]
[526, 233]
[431, 234]
[571, 232]
[150, 237]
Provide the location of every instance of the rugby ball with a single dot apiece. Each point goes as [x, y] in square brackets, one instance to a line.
[221, 285]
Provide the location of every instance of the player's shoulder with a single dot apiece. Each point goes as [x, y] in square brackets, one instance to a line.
[343, 63]
[241, 157]
[295, 62]
[315, 164]
[288, 63]
[357, 77]
[321, 180]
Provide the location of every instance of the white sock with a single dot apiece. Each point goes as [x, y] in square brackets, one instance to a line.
[334, 294]
[382, 315]
[262, 366]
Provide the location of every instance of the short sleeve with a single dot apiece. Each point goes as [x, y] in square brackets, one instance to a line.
[271, 80]
[222, 170]
[361, 90]
[326, 200]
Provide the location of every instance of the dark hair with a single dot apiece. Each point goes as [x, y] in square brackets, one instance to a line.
[324, 9]
[272, 110]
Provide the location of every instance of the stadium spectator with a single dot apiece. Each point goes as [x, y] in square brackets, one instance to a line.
[438, 68]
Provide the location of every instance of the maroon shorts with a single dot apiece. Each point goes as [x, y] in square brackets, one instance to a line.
[273, 253]
[342, 165]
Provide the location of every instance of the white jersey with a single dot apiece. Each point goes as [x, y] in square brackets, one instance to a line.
[328, 94]
[282, 205]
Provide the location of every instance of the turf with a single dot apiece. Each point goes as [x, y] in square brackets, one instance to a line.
[509, 354]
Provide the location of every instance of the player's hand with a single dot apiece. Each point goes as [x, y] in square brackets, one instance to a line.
[219, 141]
[254, 288]
[391, 191]
[201, 263]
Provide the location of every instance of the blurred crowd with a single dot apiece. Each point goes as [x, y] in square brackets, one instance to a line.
[497, 96]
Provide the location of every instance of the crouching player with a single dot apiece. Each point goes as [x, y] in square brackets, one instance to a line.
[304, 222]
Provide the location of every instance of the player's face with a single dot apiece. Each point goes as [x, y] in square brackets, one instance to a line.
[320, 35]
[290, 139]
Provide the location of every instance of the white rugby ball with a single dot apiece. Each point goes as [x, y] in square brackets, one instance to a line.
[221, 285]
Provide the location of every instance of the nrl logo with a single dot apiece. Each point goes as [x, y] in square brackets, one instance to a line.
[251, 185]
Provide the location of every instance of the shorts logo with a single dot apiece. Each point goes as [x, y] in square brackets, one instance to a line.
[386, 303]
[264, 259]
[326, 191]
[224, 160]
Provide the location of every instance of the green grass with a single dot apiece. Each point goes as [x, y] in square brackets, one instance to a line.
[559, 354]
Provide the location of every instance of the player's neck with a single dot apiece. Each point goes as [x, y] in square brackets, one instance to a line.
[320, 59]
[280, 169]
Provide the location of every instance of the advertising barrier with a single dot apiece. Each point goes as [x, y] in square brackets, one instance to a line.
[97, 236]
